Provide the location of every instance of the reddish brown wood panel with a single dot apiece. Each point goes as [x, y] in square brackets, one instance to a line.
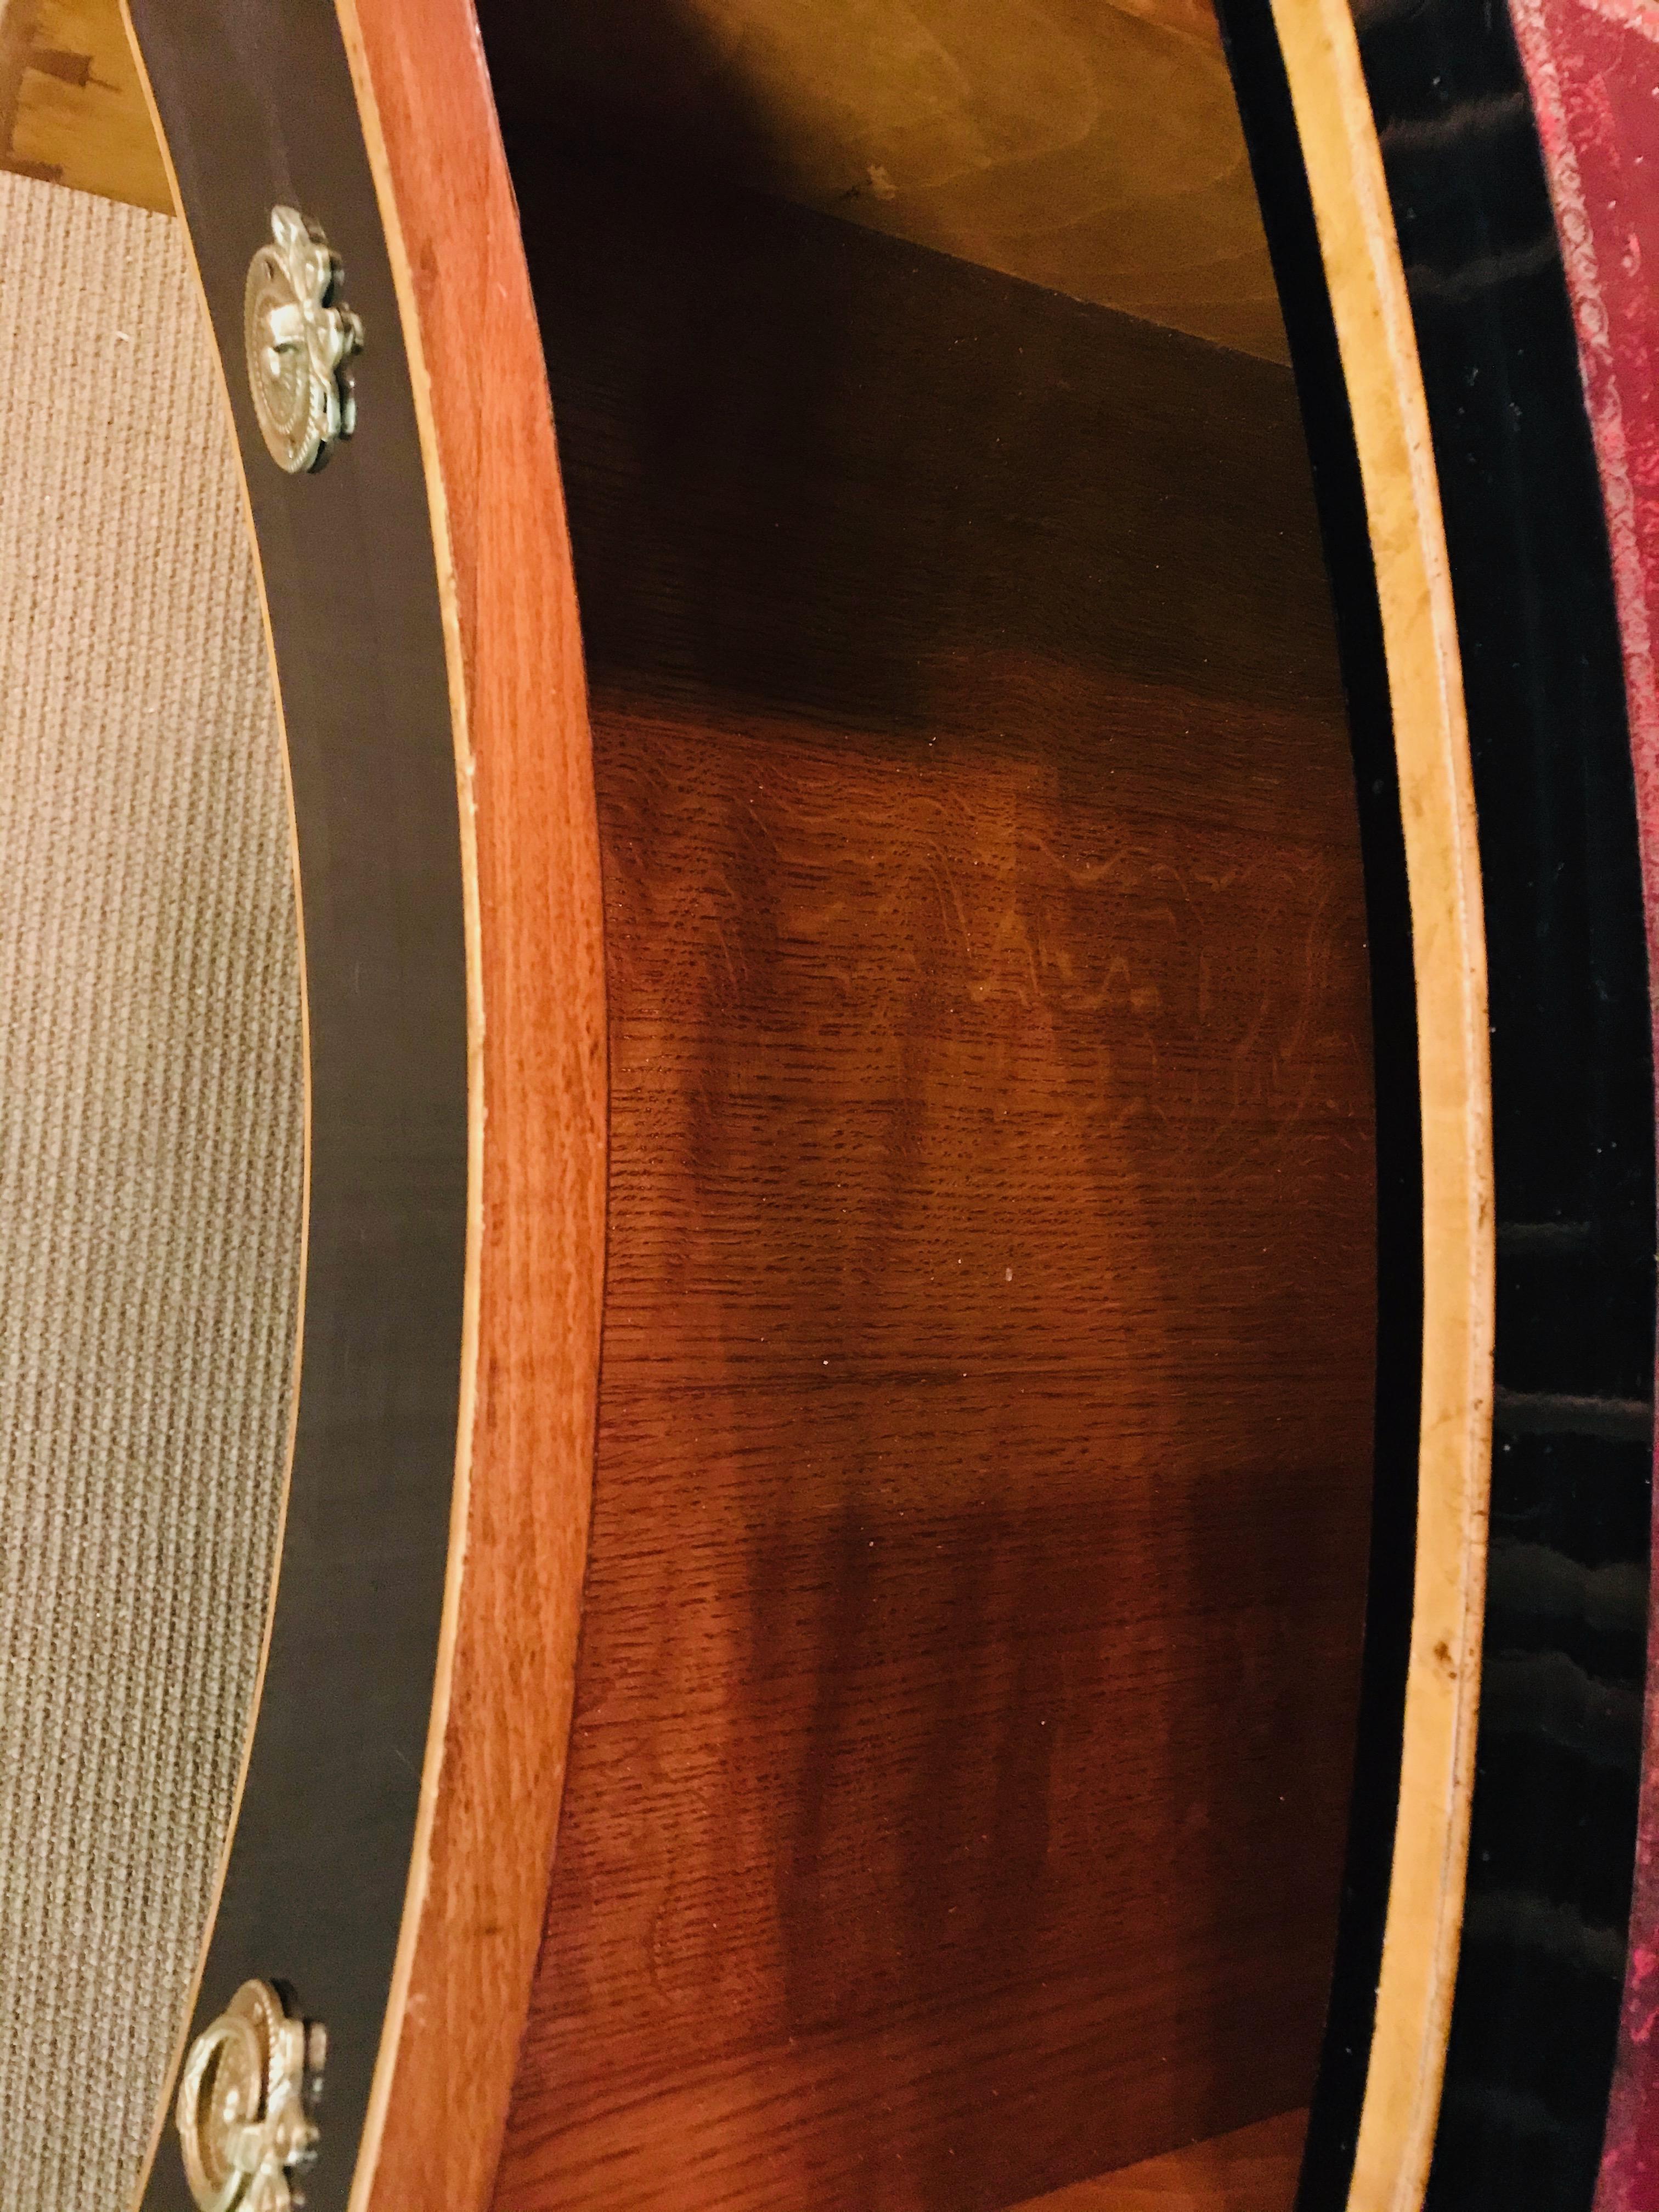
[960, 1759]
[1254, 2169]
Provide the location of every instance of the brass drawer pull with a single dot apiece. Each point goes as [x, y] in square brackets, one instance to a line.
[246, 2100]
[300, 335]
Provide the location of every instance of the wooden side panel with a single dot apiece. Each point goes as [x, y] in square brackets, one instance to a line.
[960, 1759]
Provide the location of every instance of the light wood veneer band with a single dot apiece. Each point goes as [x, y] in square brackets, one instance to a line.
[1384, 383]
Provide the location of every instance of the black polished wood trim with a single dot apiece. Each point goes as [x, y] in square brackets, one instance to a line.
[1554, 1812]
[1271, 135]
[1553, 1826]
[256, 101]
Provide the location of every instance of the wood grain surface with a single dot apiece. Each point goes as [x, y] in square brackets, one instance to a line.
[958, 1776]
[1092, 145]
[496, 1761]
[1254, 2169]
[73, 109]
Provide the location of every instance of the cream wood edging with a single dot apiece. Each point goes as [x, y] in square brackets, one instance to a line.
[1384, 382]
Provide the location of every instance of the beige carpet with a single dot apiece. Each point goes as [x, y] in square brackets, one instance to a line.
[151, 1138]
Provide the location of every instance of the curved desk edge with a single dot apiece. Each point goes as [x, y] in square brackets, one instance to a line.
[495, 1768]
[1379, 356]
[428, 2071]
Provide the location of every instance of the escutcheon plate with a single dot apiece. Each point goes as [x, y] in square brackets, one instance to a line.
[300, 337]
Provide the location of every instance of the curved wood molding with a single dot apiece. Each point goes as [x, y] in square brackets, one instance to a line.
[366, 1857]
[528, 872]
[163, 2118]
[501, 1713]
[1391, 428]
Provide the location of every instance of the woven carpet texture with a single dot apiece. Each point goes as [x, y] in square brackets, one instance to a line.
[151, 1172]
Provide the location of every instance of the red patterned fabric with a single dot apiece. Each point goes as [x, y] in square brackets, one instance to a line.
[1593, 66]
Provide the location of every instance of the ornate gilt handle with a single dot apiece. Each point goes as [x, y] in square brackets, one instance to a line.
[245, 2104]
[300, 337]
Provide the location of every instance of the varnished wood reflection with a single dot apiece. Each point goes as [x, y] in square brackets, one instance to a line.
[1254, 2169]
[957, 1788]
[1093, 145]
